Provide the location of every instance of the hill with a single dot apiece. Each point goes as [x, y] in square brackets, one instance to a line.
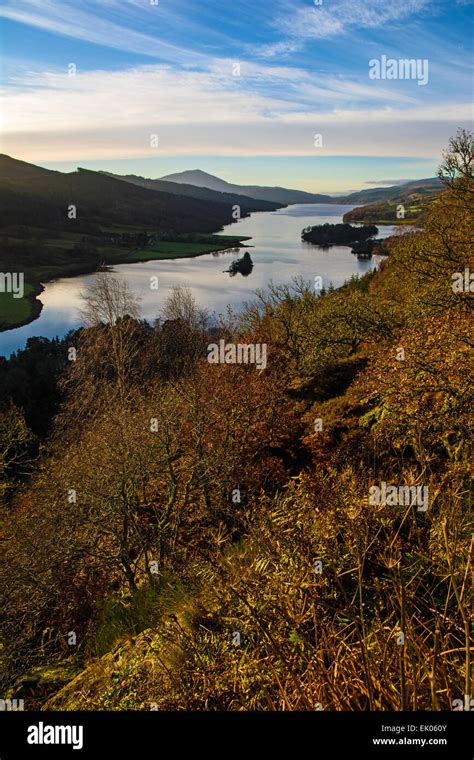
[420, 187]
[14, 170]
[247, 204]
[280, 195]
[408, 211]
[400, 204]
[42, 197]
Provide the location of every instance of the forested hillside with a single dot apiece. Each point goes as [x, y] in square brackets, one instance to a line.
[42, 198]
[425, 188]
[185, 535]
[404, 204]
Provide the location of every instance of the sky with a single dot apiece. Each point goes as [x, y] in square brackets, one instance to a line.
[275, 92]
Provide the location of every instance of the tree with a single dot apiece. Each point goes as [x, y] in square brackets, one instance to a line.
[456, 170]
[182, 338]
[107, 349]
[180, 305]
[15, 439]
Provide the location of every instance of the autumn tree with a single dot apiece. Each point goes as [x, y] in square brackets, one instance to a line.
[15, 440]
[457, 168]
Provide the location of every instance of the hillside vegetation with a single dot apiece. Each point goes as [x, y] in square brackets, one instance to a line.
[196, 536]
[411, 211]
[422, 188]
[402, 204]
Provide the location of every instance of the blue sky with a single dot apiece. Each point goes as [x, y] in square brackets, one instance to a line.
[238, 89]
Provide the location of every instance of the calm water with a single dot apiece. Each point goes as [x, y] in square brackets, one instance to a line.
[277, 252]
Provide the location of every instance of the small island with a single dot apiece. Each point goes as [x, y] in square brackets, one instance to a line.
[241, 266]
[338, 234]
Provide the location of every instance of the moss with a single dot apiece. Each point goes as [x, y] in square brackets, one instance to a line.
[36, 686]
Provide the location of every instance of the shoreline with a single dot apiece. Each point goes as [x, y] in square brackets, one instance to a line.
[37, 306]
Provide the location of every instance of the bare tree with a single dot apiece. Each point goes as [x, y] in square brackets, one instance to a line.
[183, 334]
[110, 306]
[180, 305]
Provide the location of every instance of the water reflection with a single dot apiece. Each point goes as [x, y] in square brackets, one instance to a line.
[276, 251]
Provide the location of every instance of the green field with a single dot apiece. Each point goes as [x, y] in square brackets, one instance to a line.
[17, 311]
[168, 250]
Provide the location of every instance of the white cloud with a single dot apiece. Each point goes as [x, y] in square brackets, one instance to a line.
[333, 18]
[51, 116]
[303, 23]
[161, 95]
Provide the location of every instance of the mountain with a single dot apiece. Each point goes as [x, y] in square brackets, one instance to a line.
[199, 179]
[31, 195]
[247, 204]
[419, 187]
[280, 195]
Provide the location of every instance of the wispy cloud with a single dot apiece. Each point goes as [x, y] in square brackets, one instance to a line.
[189, 95]
[104, 113]
[85, 21]
[300, 24]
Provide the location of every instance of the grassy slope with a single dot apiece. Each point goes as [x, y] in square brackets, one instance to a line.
[169, 250]
[19, 311]
[158, 666]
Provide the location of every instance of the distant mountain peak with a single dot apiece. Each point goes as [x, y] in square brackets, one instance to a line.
[281, 195]
[196, 177]
[202, 173]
